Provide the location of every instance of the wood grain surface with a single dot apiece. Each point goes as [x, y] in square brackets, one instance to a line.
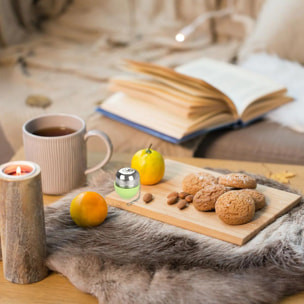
[277, 203]
[23, 240]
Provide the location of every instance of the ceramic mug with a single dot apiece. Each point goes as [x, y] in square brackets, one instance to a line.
[57, 143]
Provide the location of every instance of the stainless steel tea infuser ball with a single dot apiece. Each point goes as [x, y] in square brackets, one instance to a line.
[127, 182]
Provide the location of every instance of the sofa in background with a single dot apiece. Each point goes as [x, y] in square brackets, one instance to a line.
[70, 62]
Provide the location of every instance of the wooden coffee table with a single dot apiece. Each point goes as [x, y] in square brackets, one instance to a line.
[57, 289]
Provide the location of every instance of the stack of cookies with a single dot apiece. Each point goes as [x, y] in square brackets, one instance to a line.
[232, 196]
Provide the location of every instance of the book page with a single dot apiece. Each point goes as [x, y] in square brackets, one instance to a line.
[170, 77]
[188, 84]
[168, 102]
[150, 116]
[181, 97]
[258, 108]
[241, 86]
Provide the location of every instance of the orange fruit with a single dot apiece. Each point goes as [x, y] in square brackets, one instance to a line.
[150, 164]
[88, 209]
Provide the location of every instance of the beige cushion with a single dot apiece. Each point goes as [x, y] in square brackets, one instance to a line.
[6, 151]
[279, 30]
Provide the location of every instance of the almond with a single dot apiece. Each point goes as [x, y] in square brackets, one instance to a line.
[189, 198]
[148, 197]
[172, 200]
[172, 194]
[183, 194]
[182, 204]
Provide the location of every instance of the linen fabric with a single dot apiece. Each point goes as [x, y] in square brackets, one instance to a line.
[279, 30]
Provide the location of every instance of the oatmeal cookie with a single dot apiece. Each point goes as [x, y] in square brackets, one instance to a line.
[204, 199]
[235, 207]
[238, 180]
[258, 197]
[196, 181]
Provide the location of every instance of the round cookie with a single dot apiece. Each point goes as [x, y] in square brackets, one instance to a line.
[196, 181]
[237, 180]
[205, 199]
[258, 197]
[235, 207]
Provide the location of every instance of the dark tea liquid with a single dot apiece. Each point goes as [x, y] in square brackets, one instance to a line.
[54, 131]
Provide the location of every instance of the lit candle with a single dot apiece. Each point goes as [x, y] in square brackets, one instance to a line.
[17, 169]
[23, 241]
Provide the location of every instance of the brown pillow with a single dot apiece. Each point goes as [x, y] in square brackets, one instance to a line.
[279, 30]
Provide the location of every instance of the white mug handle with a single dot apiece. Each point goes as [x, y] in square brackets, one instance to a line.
[105, 138]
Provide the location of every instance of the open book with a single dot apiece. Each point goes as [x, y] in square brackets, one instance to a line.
[180, 104]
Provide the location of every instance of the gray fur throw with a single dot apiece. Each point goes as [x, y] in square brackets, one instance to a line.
[133, 259]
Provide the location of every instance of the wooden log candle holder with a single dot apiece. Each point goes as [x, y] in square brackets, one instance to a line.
[22, 225]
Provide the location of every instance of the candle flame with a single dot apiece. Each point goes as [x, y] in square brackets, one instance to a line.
[18, 171]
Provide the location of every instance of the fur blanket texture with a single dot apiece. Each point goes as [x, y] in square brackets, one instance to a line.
[133, 259]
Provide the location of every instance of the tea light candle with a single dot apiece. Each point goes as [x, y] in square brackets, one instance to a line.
[17, 169]
[22, 227]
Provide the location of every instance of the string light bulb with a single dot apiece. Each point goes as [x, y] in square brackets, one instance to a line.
[190, 28]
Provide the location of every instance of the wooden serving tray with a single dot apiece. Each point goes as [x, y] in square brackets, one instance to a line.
[278, 202]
